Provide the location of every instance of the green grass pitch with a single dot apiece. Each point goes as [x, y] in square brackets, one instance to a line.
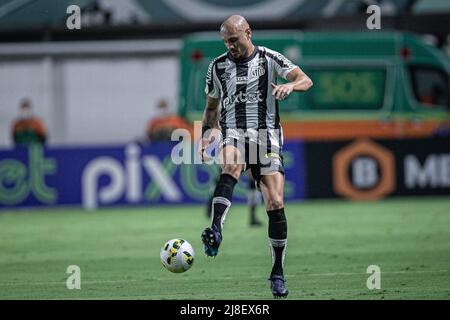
[330, 246]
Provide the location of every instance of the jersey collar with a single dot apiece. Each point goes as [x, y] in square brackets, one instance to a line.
[245, 60]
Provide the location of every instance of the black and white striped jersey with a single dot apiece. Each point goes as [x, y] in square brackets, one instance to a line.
[244, 88]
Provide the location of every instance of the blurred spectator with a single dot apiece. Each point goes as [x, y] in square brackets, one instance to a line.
[28, 128]
[161, 127]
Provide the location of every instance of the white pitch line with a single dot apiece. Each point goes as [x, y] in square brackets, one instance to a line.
[382, 272]
[88, 282]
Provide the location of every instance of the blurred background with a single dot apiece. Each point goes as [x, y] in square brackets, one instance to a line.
[91, 91]
[95, 79]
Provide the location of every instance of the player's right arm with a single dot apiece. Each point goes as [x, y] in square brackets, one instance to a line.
[210, 121]
[211, 114]
[212, 109]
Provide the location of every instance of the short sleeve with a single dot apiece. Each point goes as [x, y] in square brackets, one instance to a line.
[281, 64]
[212, 88]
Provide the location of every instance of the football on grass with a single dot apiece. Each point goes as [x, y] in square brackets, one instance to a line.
[177, 255]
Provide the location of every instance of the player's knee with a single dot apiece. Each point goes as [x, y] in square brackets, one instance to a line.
[233, 170]
[275, 203]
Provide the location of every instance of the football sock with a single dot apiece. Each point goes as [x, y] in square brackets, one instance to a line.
[209, 207]
[253, 201]
[222, 200]
[277, 239]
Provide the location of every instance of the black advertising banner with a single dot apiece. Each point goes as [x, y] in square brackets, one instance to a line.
[365, 169]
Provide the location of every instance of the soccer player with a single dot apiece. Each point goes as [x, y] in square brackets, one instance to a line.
[243, 82]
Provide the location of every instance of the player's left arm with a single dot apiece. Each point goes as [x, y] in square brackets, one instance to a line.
[298, 81]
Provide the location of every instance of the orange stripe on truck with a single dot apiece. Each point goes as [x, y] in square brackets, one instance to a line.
[348, 129]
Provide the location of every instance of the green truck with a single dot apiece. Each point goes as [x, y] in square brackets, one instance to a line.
[374, 84]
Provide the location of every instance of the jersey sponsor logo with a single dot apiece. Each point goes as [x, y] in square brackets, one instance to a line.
[251, 97]
[241, 80]
[209, 74]
[225, 76]
[222, 65]
[255, 72]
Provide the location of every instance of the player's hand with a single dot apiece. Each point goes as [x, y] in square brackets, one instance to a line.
[282, 91]
[212, 136]
[204, 143]
[202, 146]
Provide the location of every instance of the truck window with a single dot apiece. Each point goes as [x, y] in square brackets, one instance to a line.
[430, 86]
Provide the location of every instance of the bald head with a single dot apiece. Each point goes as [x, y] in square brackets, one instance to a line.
[236, 34]
[234, 23]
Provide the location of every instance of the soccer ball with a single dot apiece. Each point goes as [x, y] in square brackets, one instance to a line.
[177, 255]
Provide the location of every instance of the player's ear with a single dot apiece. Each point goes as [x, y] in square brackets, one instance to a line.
[248, 31]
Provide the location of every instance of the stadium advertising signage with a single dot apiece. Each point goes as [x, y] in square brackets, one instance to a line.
[365, 169]
[132, 174]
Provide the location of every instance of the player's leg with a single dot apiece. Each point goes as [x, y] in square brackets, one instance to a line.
[269, 174]
[232, 167]
[211, 197]
[253, 201]
[272, 187]
[208, 210]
